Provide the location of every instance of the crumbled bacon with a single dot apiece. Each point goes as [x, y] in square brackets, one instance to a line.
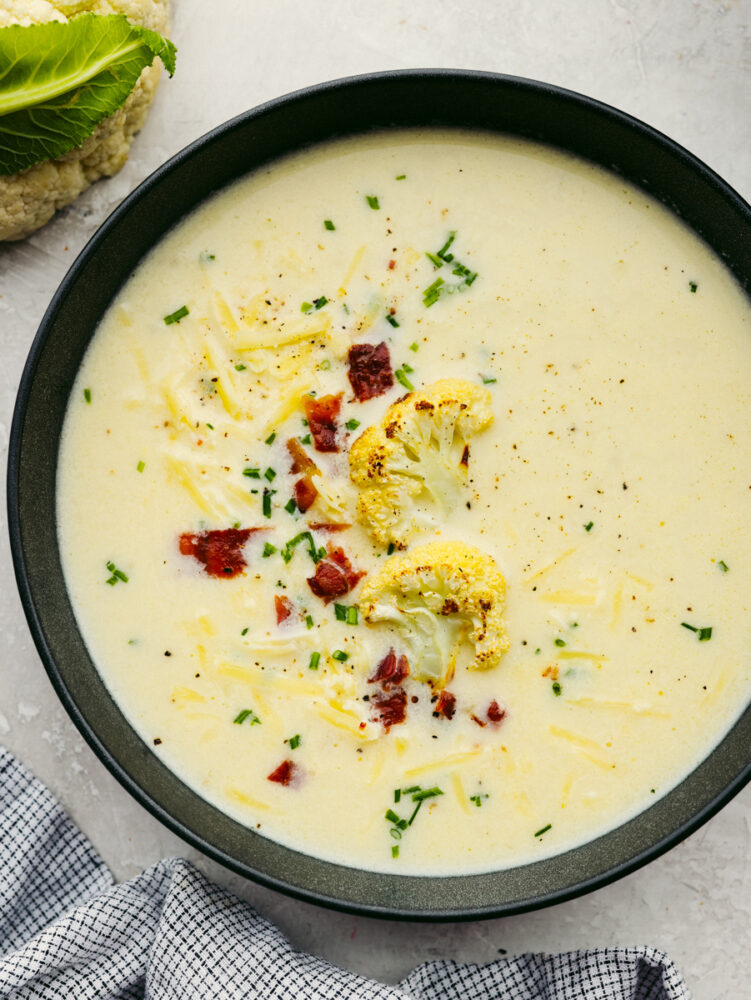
[464, 460]
[391, 671]
[321, 414]
[220, 551]
[446, 705]
[284, 608]
[283, 774]
[390, 709]
[305, 493]
[370, 370]
[334, 576]
[495, 713]
[328, 526]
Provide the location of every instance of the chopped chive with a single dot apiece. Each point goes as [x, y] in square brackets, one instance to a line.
[87, 395]
[320, 302]
[306, 307]
[415, 811]
[247, 713]
[352, 615]
[115, 574]
[304, 536]
[177, 315]
[407, 368]
[705, 634]
[290, 506]
[395, 847]
[239, 367]
[271, 438]
[390, 318]
[328, 224]
[306, 439]
[401, 177]
[723, 565]
[210, 427]
[268, 550]
[352, 424]
[270, 474]
[414, 346]
[372, 200]
[315, 659]
[392, 817]
[294, 741]
[434, 259]
[397, 794]
[309, 623]
[691, 628]
[477, 799]
[589, 526]
[267, 495]
[401, 377]
[426, 793]
[390, 549]
[556, 689]
[141, 466]
[693, 286]
[340, 655]
[559, 642]
[451, 237]
[244, 631]
[488, 379]
[544, 830]
[433, 292]
[252, 473]
[324, 365]
[340, 612]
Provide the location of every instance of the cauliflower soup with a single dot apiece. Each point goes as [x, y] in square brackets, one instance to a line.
[403, 501]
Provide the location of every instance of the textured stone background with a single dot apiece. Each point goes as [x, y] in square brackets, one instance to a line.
[684, 67]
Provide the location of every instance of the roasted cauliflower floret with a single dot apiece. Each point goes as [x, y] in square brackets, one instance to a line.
[441, 596]
[416, 459]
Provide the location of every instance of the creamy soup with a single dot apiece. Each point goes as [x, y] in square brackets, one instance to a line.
[455, 633]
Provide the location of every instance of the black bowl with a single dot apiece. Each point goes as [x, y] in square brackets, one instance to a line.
[414, 98]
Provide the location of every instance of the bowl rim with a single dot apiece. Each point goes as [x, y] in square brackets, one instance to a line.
[26, 591]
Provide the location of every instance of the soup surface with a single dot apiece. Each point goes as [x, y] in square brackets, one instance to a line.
[244, 506]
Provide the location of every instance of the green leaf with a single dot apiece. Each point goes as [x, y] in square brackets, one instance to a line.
[58, 80]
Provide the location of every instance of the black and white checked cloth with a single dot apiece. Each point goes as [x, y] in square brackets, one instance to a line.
[68, 933]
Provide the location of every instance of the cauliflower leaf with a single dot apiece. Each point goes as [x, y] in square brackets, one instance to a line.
[64, 77]
[440, 596]
[416, 460]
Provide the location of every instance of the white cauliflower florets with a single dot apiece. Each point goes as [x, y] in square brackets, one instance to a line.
[30, 198]
[439, 595]
[420, 452]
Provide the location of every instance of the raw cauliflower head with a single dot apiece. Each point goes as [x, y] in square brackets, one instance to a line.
[441, 596]
[414, 464]
[29, 199]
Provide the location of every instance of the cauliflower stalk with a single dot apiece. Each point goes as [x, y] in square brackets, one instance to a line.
[440, 596]
[416, 459]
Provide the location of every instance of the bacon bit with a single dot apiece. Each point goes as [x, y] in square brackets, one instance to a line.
[283, 774]
[220, 551]
[464, 460]
[305, 493]
[391, 671]
[334, 576]
[390, 709]
[284, 608]
[328, 526]
[301, 460]
[392, 265]
[370, 370]
[446, 705]
[495, 713]
[321, 414]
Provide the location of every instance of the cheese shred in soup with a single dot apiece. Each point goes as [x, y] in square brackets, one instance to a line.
[455, 633]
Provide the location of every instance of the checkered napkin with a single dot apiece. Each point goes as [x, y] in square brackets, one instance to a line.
[68, 933]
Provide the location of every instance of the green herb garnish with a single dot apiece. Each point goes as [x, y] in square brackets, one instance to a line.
[250, 715]
[352, 424]
[589, 526]
[340, 655]
[294, 741]
[115, 574]
[239, 367]
[401, 377]
[268, 550]
[723, 565]
[557, 689]
[177, 315]
[544, 830]
[328, 224]
[315, 659]
[252, 472]
[87, 395]
[372, 200]
[271, 438]
[141, 466]
[266, 503]
[390, 318]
